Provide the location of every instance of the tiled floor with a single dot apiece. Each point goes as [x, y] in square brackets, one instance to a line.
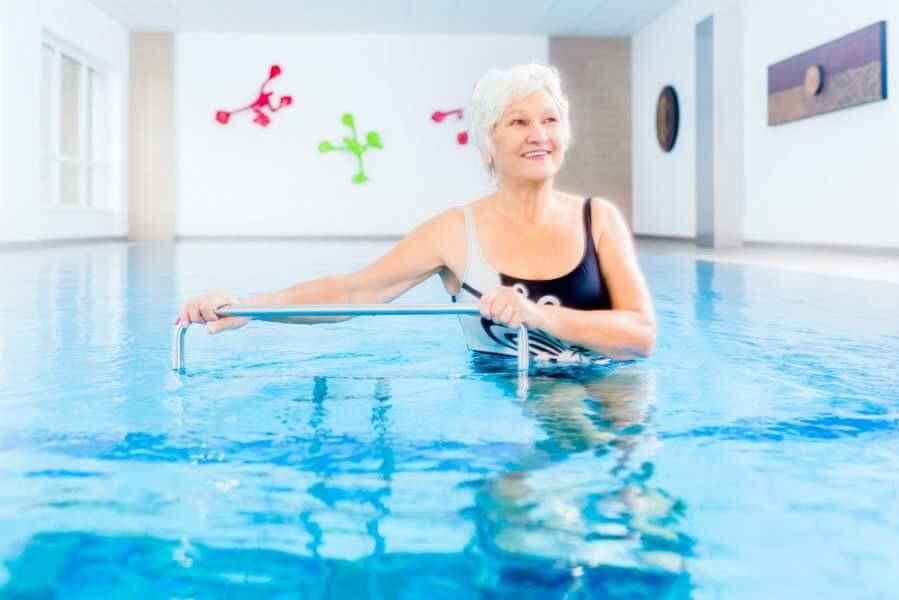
[860, 264]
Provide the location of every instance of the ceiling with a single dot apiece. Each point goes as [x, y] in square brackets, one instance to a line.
[538, 17]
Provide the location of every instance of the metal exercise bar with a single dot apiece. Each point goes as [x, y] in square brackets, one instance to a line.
[261, 311]
[267, 312]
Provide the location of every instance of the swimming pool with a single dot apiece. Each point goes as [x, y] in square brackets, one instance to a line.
[755, 455]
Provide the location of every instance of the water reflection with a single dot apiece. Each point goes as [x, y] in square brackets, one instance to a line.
[583, 496]
[330, 492]
[706, 298]
[576, 507]
[721, 293]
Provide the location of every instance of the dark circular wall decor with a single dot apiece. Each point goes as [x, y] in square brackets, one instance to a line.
[667, 118]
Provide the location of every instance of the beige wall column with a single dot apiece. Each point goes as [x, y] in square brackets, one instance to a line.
[596, 76]
[151, 135]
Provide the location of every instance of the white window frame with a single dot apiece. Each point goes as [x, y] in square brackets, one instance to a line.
[53, 155]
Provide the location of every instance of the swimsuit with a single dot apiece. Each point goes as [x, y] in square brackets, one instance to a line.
[583, 288]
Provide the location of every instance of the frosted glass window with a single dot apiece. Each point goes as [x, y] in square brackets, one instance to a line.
[47, 187]
[97, 116]
[97, 181]
[76, 129]
[69, 183]
[69, 107]
[47, 65]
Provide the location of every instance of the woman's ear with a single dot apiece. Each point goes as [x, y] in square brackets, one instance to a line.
[491, 164]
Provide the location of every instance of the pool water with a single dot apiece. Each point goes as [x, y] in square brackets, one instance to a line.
[754, 455]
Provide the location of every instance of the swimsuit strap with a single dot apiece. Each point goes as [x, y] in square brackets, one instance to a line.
[588, 226]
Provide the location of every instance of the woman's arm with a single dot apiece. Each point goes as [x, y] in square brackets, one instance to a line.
[629, 329]
[626, 331]
[413, 259]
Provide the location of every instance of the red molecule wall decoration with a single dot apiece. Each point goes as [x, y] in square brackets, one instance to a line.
[260, 104]
[439, 116]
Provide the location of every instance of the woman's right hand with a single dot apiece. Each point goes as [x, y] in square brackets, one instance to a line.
[202, 310]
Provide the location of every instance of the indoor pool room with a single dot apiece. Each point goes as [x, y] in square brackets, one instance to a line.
[563, 299]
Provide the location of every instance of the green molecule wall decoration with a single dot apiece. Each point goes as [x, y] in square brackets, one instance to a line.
[352, 145]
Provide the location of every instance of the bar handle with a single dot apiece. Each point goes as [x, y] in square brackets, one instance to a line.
[263, 312]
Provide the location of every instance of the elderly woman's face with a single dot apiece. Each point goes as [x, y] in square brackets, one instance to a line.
[527, 139]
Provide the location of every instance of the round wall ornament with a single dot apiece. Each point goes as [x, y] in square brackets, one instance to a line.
[667, 118]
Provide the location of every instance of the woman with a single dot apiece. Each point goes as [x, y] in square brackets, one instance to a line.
[601, 308]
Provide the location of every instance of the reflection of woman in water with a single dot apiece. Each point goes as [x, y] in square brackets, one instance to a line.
[581, 497]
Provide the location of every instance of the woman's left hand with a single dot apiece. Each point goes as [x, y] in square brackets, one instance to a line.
[507, 307]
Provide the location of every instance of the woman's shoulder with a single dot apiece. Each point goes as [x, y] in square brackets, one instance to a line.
[451, 221]
[609, 224]
[478, 206]
[451, 232]
[601, 208]
[454, 216]
[604, 214]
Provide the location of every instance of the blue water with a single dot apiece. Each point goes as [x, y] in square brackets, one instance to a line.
[755, 455]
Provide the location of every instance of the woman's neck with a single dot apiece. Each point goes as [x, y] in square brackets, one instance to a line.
[525, 202]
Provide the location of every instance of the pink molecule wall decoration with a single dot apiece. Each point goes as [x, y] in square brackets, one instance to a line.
[439, 116]
[259, 106]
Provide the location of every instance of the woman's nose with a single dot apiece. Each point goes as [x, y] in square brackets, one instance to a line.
[537, 134]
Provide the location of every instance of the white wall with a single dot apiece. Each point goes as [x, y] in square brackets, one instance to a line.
[20, 48]
[80, 24]
[242, 179]
[830, 179]
[5, 218]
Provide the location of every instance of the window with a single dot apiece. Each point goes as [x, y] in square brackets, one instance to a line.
[75, 132]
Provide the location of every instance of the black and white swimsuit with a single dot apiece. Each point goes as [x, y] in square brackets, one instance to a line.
[583, 288]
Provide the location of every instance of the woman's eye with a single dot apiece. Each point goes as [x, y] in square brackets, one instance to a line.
[552, 120]
[518, 122]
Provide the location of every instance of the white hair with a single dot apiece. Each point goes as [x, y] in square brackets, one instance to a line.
[497, 88]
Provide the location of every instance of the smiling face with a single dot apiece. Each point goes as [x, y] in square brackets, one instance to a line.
[527, 139]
